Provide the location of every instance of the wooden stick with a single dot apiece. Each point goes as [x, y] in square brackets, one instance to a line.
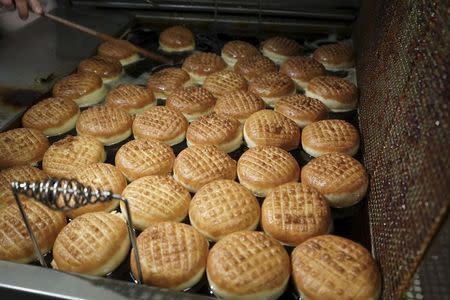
[105, 37]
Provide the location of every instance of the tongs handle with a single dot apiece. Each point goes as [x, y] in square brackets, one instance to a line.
[106, 37]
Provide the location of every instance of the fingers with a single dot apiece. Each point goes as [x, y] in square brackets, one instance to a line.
[8, 4]
[35, 6]
[22, 8]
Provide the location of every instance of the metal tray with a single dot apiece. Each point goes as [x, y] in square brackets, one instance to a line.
[350, 222]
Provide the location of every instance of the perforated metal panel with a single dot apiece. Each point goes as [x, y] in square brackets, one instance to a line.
[403, 59]
[433, 276]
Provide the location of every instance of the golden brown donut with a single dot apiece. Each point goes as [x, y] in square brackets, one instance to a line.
[252, 67]
[85, 89]
[201, 64]
[301, 109]
[271, 87]
[248, 265]
[193, 102]
[165, 267]
[280, 49]
[335, 57]
[103, 177]
[294, 212]
[52, 116]
[347, 267]
[270, 128]
[93, 244]
[120, 50]
[341, 179]
[22, 146]
[222, 207]
[234, 50]
[328, 136]
[261, 169]
[301, 69]
[107, 68]
[154, 199]
[166, 81]
[238, 105]
[200, 164]
[15, 242]
[131, 98]
[161, 123]
[212, 129]
[223, 82]
[109, 125]
[338, 94]
[19, 173]
[176, 39]
[65, 157]
[144, 157]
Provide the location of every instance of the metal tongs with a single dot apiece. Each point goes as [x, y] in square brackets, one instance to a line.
[63, 195]
[105, 37]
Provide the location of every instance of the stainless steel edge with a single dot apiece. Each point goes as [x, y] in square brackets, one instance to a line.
[37, 55]
[330, 12]
[310, 26]
[34, 56]
[34, 280]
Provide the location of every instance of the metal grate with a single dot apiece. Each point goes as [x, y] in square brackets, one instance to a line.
[403, 64]
[434, 271]
[325, 9]
[415, 290]
[432, 277]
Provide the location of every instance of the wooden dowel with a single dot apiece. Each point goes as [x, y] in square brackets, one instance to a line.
[105, 37]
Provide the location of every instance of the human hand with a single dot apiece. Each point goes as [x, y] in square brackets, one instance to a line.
[23, 6]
